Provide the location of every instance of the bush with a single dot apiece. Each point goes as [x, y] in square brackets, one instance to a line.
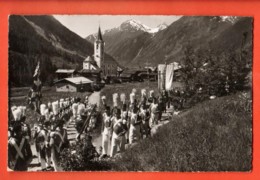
[82, 157]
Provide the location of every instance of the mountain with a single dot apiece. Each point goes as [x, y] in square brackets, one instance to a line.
[44, 39]
[127, 40]
[134, 45]
[217, 33]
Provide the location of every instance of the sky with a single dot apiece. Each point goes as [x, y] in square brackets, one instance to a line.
[85, 25]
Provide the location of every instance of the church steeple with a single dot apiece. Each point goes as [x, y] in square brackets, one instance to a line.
[99, 49]
[99, 38]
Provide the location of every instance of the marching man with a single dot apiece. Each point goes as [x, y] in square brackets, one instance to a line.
[107, 130]
[154, 113]
[58, 141]
[19, 150]
[134, 131]
[119, 130]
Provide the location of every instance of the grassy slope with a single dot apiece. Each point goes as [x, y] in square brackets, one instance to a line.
[214, 136]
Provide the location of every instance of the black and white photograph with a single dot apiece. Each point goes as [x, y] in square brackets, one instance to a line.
[131, 93]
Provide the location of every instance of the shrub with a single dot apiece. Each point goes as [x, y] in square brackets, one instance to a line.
[82, 157]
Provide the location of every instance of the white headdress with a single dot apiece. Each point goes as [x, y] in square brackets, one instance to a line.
[151, 93]
[74, 109]
[55, 107]
[132, 98]
[123, 98]
[49, 105]
[134, 90]
[103, 99]
[42, 108]
[115, 99]
[143, 92]
[22, 108]
[17, 114]
[13, 108]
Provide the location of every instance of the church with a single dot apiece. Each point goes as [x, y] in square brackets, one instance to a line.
[100, 64]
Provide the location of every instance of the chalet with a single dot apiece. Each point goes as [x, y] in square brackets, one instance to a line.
[75, 84]
[65, 73]
[130, 75]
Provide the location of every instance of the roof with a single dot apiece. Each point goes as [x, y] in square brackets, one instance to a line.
[89, 59]
[65, 71]
[76, 80]
[90, 71]
[99, 37]
[129, 71]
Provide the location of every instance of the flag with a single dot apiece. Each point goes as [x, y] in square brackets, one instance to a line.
[37, 70]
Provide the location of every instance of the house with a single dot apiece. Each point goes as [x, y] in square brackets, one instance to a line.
[75, 84]
[129, 75]
[65, 73]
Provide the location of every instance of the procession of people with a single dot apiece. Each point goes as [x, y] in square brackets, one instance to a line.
[124, 123]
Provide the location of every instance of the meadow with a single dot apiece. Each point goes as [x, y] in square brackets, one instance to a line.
[215, 135]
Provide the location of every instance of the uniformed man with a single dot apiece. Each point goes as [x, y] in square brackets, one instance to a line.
[153, 113]
[134, 130]
[74, 110]
[151, 97]
[37, 140]
[58, 141]
[160, 109]
[165, 99]
[19, 150]
[41, 144]
[106, 131]
[145, 116]
[115, 100]
[119, 130]
[47, 129]
[143, 97]
[126, 124]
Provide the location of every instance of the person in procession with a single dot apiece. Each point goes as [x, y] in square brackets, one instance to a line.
[58, 141]
[165, 100]
[106, 131]
[135, 122]
[119, 130]
[145, 116]
[154, 112]
[19, 149]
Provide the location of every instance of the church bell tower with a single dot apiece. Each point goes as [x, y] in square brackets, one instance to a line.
[99, 50]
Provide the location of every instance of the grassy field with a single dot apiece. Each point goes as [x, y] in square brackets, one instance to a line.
[216, 135]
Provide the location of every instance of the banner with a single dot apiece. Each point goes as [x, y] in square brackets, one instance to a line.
[169, 77]
[161, 76]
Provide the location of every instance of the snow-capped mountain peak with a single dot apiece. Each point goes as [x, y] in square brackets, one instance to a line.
[139, 26]
[231, 19]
